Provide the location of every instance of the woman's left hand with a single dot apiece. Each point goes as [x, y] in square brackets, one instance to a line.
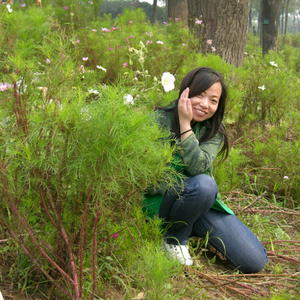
[185, 111]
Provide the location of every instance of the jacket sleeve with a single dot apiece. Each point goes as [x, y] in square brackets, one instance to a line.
[198, 158]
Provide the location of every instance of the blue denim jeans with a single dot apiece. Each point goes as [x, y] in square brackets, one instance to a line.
[187, 212]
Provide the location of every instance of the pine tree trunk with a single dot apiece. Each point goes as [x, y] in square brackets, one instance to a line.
[270, 13]
[286, 19]
[250, 16]
[225, 22]
[259, 20]
[154, 13]
[178, 9]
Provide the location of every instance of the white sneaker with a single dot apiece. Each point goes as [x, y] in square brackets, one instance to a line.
[180, 252]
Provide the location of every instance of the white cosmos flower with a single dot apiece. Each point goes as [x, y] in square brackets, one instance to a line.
[167, 80]
[273, 63]
[8, 8]
[93, 91]
[262, 87]
[99, 67]
[128, 99]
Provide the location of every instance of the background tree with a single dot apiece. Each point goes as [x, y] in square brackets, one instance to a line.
[286, 17]
[270, 13]
[225, 22]
[178, 9]
[115, 8]
[154, 16]
[250, 10]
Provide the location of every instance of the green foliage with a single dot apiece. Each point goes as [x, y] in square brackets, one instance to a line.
[75, 159]
[116, 8]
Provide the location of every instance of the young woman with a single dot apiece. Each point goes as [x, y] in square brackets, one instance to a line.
[194, 207]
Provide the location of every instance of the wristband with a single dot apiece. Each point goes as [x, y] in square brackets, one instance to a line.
[186, 131]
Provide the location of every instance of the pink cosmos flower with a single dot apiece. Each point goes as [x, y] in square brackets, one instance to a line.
[48, 61]
[115, 235]
[77, 41]
[131, 37]
[114, 28]
[148, 42]
[4, 86]
[82, 69]
[105, 29]
[176, 19]
[183, 44]
[127, 41]
[109, 48]
[125, 65]
[23, 5]
[85, 58]
[130, 22]
[159, 42]
[209, 42]
[65, 7]
[94, 30]
[119, 47]
[213, 49]
[198, 22]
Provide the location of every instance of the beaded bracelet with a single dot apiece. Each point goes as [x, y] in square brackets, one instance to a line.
[185, 131]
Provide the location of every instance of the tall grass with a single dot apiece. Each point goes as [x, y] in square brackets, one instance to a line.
[75, 159]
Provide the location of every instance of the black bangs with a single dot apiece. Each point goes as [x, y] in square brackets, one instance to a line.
[199, 80]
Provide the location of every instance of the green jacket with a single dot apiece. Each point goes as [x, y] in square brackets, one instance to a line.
[191, 159]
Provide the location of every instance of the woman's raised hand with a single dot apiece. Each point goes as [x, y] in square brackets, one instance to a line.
[185, 110]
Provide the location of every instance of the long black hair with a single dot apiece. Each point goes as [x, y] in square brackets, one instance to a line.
[198, 81]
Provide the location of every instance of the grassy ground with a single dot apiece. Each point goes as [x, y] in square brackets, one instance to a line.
[211, 277]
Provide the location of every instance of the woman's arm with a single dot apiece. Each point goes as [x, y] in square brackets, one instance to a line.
[185, 114]
[198, 158]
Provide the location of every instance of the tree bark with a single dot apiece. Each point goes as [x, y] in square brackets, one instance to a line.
[250, 16]
[154, 12]
[270, 13]
[260, 21]
[282, 17]
[225, 22]
[286, 19]
[178, 9]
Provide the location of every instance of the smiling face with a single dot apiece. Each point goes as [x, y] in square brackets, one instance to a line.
[206, 104]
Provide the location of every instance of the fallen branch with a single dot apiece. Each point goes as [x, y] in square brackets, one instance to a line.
[284, 241]
[246, 286]
[227, 286]
[271, 211]
[258, 198]
[294, 261]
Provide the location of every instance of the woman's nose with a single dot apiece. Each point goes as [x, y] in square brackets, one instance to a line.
[204, 102]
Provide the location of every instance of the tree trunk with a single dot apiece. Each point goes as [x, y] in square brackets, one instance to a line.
[178, 9]
[286, 19]
[154, 13]
[250, 16]
[282, 17]
[270, 13]
[225, 22]
[260, 21]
